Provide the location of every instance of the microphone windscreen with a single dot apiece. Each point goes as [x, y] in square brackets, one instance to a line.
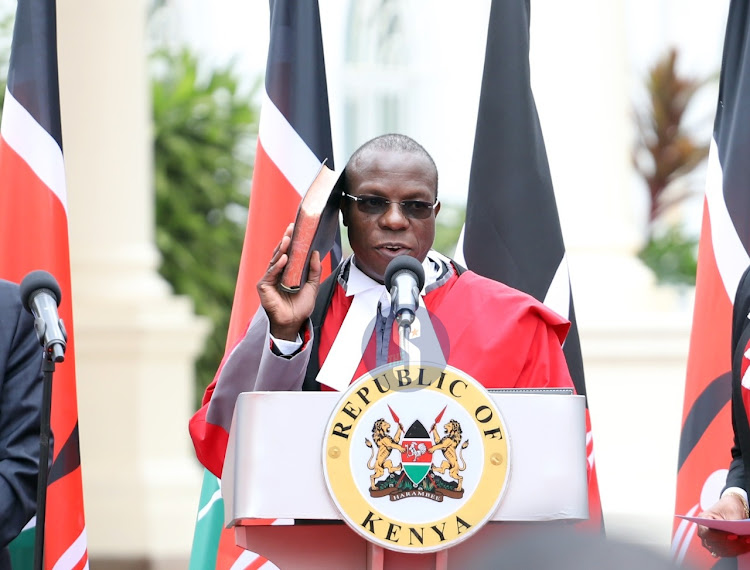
[35, 281]
[404, 262]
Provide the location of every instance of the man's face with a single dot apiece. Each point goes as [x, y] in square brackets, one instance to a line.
[377, 239]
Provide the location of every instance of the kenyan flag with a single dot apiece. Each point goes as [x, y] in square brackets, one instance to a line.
[415, 457]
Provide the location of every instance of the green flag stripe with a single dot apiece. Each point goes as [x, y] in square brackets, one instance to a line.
[206, 508]
[22, 547]
[208, 525]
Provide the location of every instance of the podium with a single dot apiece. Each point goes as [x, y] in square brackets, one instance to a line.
[273, 470]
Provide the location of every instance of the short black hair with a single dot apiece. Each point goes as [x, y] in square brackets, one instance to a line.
[390, 142]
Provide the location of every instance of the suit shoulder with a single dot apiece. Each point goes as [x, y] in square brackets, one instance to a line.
[10, 296]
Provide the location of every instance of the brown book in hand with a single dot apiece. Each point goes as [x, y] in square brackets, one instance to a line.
[314, 228]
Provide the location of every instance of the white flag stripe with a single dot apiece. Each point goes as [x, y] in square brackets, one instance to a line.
[73, 554]
[731, 257]
[35, 146]
[243, 560]
[558, 294]
[746, 379]
[31, 524]
[692, 527]
[682, 537]
[285, 147]
[590, 442]
[211, 502]
[459, 257]
[677, 540]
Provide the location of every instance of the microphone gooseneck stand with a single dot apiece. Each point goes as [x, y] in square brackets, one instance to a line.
[40, 295]
[404, 332]
[48, 369]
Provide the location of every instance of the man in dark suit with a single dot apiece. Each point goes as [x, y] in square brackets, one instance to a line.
[20, 416]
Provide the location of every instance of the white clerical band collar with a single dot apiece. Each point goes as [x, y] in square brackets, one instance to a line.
[346, 352]
[358, 281]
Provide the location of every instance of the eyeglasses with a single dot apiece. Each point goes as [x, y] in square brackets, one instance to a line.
[377, 206]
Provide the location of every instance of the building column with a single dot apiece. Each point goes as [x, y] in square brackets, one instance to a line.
[136, 342]
[634, 334]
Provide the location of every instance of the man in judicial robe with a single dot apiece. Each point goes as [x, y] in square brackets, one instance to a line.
[500, 336]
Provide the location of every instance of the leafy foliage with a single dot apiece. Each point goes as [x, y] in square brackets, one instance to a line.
[665, 155]
[448, 227]
[666, 151]
[674, 254]
[203, 132]
[7, 19]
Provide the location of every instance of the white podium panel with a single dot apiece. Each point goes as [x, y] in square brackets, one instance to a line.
[273, 466]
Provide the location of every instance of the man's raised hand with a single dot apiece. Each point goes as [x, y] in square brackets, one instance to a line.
[287, 312]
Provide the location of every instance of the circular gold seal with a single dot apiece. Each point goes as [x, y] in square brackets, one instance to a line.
[416, 457]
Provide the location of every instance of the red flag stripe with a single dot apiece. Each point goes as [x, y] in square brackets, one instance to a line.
[710, 333]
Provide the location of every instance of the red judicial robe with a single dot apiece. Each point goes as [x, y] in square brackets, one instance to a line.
[501, 337]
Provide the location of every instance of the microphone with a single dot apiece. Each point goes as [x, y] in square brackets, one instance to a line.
[404, 279]
[40, 295]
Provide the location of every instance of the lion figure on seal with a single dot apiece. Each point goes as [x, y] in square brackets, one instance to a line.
[449, 445]
[380, 462]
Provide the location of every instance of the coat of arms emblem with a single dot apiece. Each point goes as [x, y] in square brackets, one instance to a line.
[416, 474]
[416, 457]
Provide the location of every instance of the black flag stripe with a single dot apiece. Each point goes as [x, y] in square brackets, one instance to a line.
[32, 72]
[296, 67]
[513, 232]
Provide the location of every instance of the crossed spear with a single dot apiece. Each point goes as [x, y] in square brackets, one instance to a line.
[398, 421]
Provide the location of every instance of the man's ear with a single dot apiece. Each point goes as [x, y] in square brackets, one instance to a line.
[344, 212]
[340, 187]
